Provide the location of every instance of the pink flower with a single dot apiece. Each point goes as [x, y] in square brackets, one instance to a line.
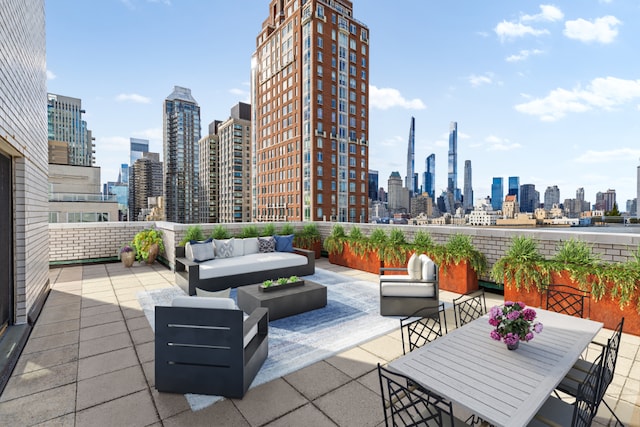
[495, 335]
[529, 314]
[537, 327]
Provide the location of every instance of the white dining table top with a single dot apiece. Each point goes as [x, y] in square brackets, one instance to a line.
[504, 387]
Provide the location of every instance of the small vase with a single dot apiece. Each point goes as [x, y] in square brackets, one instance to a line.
[513, 346]
[128, 258]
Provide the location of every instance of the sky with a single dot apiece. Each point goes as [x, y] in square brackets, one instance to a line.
[549, 92]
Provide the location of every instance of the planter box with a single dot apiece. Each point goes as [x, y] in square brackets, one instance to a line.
[402, 264]
[279, 287]
[458, 278]
[370, 262]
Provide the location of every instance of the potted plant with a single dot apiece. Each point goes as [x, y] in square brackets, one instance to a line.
[395, 250]
[513, 322]
[249, 231]
[219, 232]
[460, 265]
[127, 255]
[194, 232]
[268, 230]
[286, 230]
[280, 283]
[309, 238]
[148, 245]
[334, 242]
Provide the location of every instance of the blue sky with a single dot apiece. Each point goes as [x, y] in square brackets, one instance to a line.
[549, 92]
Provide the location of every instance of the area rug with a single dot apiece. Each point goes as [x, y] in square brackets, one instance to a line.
[349, 319]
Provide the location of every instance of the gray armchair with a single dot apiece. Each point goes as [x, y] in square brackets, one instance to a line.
[204, 346]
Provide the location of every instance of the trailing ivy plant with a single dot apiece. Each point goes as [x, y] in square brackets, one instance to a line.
[357, 241]
[460, 248]
[220, 232]
[333, 243]
[395, 250]
[194, 232]
[584, 267]
[624, 279]
[522, 265]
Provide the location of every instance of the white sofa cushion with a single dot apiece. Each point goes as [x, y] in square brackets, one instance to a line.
[238, 247]
[213, 294]
[428, 268]
[250, 263]
[196, 302]
[414, 267]
[407, 289]
[250, 245]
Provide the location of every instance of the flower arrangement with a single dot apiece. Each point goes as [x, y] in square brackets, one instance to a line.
[126, 248]
[513, 322]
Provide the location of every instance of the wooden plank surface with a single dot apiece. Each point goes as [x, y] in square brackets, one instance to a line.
[502, 386]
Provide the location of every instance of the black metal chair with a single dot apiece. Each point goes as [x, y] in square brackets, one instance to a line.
[469, 307]
[556, 412]
[423, 326]
[568, 300]
[608, 360]
[405, 404]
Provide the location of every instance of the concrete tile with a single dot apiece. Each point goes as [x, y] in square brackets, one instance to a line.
[169, 404]
[352, 404]
[104, 344]
[45, 359]
[146, 352]
[46, 329]
[98, 331]
[132, 313]
[106, 362]
[149, 369]
[100, 389]
[306, 381]
[269, 401]
[138, 323]
[222, 413]
[308, 415]
[371, 381]
[59, 314]
[68, 420]
[49, 342]
[101, 319]
[385, 347]
[355, 362]
[134, 410]
[141, 336]
[37, 381]
[91, 302]
[58, 298]
[43, 406]
[99, 309]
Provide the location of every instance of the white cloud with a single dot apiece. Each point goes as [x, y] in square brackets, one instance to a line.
[50, 75]
[394, 141]
[547, 13]
[476, 81]
[385, 98]
[602, 93]
[500, 144]
[151, 134]
[133, 97]
[602, 30]
[523, 54]
[245, 95]
[112, 144]
[608, 156]
[509, 30]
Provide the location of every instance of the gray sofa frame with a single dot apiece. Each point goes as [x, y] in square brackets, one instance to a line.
[406, 306]
[200, 350]
[188, 273]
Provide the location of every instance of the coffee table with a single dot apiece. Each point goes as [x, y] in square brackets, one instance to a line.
[283, 302]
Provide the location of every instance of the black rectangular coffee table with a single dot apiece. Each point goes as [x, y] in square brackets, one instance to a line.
[283, 302]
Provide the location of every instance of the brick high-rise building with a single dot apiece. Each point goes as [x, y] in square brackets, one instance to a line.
[310, 97]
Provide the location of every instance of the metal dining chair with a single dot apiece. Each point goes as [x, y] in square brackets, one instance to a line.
[557, 412]
[405, 404]
[423, 326]
[469, 307]
[608, 360]
[568, 300]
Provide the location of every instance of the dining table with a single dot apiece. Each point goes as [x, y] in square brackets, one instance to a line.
[503, 387]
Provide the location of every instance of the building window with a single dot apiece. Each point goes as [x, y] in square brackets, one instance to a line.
[320, 27]
[320, 170]
[319, 184]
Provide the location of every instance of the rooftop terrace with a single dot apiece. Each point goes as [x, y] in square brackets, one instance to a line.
[89, 361]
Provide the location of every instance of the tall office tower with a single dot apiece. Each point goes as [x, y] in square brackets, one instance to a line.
[398, 195]
[234, 166]
[580, 193]
[137, 147]
[209, 175]
[24, 209]
[530, 198]
[609, 198]
[411, 149]
[514, 187]
[145, 180]
[373, 185]
[637, 191]
[468, 187]
[497, 193]
[452, 179]
[67, 126]
[310, 89]
[123, 174]
[430, 176]
[551, 197]
[181, 118]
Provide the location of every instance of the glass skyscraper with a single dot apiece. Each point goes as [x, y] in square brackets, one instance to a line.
[137, 148]
[452, 179]
[497, 193]
[430, 176]
[530, 198]
[468, 187]
[67, 125]
[409, 180]
[181, 117]
[514, 187]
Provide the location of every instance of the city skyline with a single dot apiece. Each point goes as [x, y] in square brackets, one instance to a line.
[543, 92]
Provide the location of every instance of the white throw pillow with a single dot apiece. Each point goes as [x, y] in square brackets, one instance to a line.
[213, 294]
[414, 267]
[224, 248]
[428, 268]
[195, 302]
[199, 251]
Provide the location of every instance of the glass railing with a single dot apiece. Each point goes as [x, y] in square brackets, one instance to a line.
[78, 197]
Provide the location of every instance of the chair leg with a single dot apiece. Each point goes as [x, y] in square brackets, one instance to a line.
[618, 422]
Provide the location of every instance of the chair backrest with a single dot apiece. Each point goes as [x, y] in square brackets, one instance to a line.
[423, 326]
[587, 398]
[469, 307]
[406, 404]
[610, 359]
[568, 300]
